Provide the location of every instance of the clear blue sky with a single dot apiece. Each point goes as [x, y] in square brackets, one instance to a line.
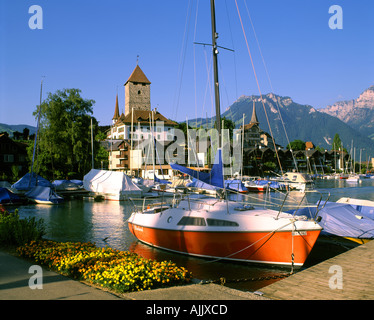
[93, 46]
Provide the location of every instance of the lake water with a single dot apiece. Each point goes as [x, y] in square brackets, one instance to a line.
[105, 223]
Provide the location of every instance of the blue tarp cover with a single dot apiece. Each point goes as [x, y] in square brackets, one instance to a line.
[271, 183]
[24, 184]
[161, 181]
[214, 177]
[43, 194]
[235, 185]
[199, 184]
[342, 220]
[7, 196]
[366, 211]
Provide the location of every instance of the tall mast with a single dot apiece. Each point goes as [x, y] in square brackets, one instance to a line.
[36, 134]
[215, 69]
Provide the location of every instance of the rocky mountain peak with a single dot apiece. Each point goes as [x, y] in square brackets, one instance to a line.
[366, 98]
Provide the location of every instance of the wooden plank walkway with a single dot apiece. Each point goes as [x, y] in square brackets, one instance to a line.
[348, 276]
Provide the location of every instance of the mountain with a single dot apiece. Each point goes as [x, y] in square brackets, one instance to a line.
[358, 113]
[17, 127]
[301, 122]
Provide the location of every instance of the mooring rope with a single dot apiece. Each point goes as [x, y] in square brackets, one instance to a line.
[247, 247]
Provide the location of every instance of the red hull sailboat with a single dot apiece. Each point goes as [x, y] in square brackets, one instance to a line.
[222, 229]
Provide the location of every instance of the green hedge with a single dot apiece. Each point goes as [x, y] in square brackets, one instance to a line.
[15, 231]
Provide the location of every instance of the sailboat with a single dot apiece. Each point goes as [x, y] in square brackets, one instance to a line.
[222, 229]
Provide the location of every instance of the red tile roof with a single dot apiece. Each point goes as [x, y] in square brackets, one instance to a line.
[138, 76]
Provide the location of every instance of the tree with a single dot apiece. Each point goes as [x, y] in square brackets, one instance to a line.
[296, 145]
[25, 134]
[17, 135]
[64, 141]
[336, 143]
[228, 124]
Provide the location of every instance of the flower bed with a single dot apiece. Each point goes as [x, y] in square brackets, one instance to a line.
[121, 271]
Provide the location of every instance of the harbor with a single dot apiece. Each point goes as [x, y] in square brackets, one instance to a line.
[167, 206]
[105, 223]
[88, 220]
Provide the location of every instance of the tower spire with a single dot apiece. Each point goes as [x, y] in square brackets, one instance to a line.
[254, 116]
[116, 110]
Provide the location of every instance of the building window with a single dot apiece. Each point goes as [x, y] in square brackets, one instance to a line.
[139, 92]
[8, 158]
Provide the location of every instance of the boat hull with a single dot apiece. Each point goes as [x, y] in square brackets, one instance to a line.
[255, 247]
[49, 202]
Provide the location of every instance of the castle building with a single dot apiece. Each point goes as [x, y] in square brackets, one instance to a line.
[138, 124]
[137, 92]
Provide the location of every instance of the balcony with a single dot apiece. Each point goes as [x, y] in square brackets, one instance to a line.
[122, 156]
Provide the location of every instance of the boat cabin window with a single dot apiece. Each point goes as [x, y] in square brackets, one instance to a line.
[192, 221]
[221, 223]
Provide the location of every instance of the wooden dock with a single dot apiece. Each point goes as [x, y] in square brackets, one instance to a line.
[348, 276]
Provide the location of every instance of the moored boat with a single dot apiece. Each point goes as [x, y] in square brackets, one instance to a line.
[7, 197]
[43, 195]
[342, 220]
[111, 185]
[212, 228]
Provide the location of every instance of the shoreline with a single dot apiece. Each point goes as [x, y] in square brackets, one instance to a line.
[14, 285]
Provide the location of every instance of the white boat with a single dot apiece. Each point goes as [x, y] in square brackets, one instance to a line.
[43, 195]
[141, 184]
[356, 202]
[296, 181]
[252, 186]
[111, 185]
[353, 179]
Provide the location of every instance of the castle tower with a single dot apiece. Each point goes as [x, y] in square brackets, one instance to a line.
[137, 92]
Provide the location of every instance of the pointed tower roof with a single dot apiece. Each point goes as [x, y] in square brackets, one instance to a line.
[138, 76]
[254, 119]
[116, 110]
